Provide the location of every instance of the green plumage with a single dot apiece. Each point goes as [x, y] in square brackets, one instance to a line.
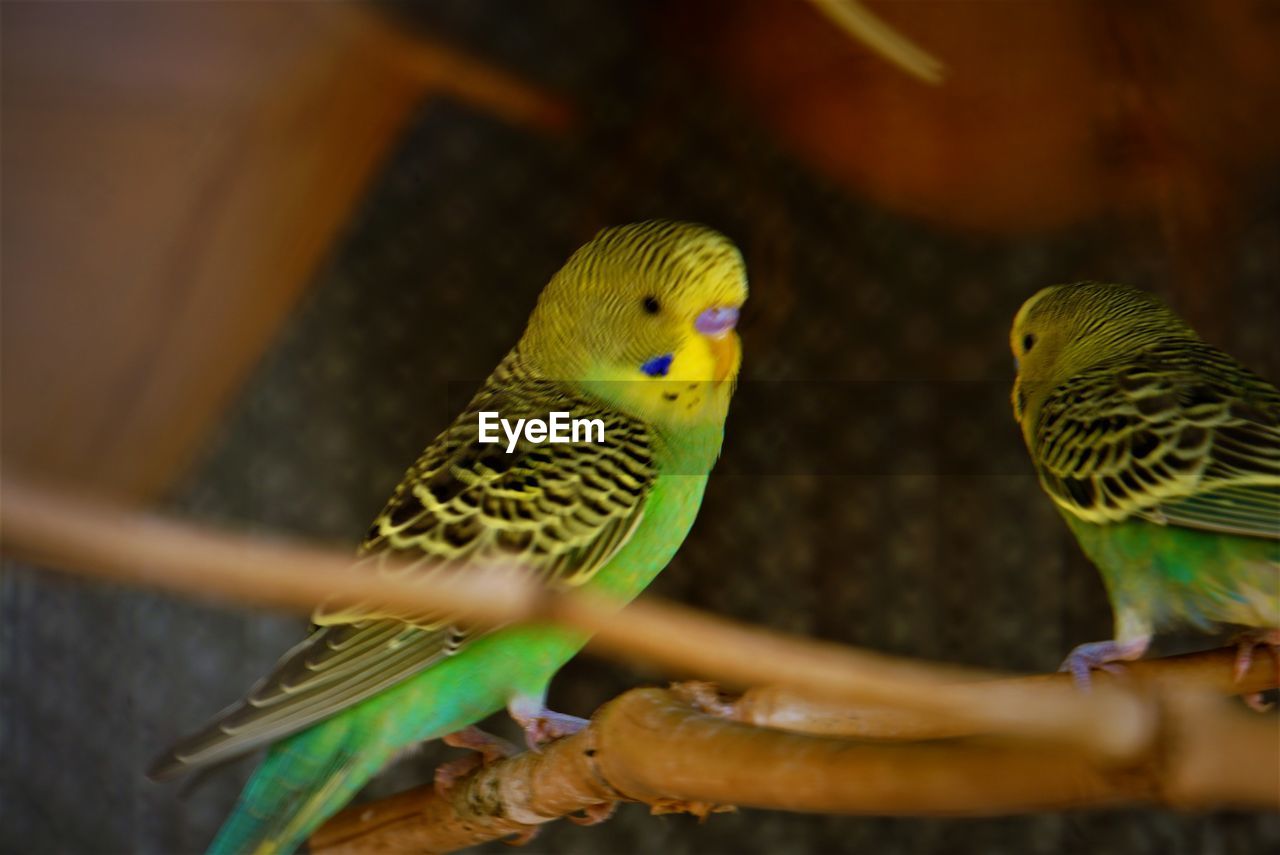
[309, 776]
[1170, 575]
[1163, 455]
[605, 517]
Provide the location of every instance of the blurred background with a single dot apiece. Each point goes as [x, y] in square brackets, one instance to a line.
[255, 255]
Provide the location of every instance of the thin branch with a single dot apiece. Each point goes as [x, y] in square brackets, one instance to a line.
[93, 538]
[785, 708]
[689, 643]
[1144, 742]
[658, 747]
[50, 527]
[859, 21]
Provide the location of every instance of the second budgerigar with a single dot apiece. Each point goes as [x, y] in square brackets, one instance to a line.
[1163, 455]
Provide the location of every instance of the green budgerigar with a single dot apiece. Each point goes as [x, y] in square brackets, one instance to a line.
[635, 333]
[1163, 454]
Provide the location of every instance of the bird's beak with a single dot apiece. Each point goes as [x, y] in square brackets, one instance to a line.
[717, 324]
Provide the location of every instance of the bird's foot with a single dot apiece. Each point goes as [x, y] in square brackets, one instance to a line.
[542, 725]
[487, 747]
[520, 838]
[1245, 646]
[1101, 656]
[593, 814]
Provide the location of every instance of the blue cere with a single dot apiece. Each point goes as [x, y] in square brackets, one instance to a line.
[658, 366]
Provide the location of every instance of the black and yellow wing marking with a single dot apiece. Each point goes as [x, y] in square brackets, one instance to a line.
[560, 511]
[1181, 435]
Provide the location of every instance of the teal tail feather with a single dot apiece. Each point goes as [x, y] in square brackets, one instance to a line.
[303, 781]
[309, 776]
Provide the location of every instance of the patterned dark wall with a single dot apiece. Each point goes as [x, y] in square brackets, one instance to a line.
[873, 488]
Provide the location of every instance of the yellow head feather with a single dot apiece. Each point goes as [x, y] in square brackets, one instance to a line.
[634, 294]
[1064, 330]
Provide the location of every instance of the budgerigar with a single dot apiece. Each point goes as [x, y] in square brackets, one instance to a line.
[636, 330]
[1163, 455]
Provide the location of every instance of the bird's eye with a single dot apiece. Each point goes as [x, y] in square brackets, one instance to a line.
[651, 305]
[1028, 342]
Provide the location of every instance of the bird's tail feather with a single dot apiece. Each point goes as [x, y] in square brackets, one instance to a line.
[301, 783]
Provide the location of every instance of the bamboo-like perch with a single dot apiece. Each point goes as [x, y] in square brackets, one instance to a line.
[784, 708]
[1012, 744]
[98, 539]
[656, 746]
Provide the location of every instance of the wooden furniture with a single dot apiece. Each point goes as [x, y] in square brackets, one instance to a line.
[173, 172]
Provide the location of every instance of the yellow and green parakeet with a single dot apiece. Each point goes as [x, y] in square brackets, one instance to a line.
[637, 331]
[1163, 454]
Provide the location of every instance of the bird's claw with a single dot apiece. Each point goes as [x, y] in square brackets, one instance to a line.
[548, 726]
[449, 773]
[1254, 701]
[1100, 656]
[541, 726]
[487, 747]
[593, 814]
[521, 838]
[1245, 645]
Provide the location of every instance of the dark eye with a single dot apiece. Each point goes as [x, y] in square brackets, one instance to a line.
[651, 305]
[1028, 342]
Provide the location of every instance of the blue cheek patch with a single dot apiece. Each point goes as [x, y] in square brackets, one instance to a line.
[658, 366]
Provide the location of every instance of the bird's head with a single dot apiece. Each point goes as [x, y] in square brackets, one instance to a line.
[643, 317]
[1064, 330]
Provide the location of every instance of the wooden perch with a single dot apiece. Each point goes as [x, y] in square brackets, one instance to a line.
[1158, 736]
[63, 531]
[659, 747]
[47, 526]
[787, 709]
